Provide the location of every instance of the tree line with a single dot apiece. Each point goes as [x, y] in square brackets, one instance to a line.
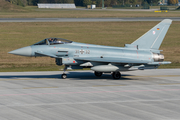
[98, 3]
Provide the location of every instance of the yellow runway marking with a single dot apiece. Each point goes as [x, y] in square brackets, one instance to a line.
[169, 84]
[161, 11]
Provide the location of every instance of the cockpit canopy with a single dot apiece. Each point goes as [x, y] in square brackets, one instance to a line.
[53, 41]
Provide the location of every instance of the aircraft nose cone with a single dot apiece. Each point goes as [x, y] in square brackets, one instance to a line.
[25, 51]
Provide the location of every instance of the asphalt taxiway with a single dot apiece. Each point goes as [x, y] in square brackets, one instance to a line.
[139, 95]
[86, 19]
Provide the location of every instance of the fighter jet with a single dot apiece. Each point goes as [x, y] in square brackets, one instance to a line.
[142, 54]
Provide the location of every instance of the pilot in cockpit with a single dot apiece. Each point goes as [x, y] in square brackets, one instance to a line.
[50, 40]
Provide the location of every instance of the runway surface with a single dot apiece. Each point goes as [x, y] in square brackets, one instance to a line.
[85, 19]
[139, 95]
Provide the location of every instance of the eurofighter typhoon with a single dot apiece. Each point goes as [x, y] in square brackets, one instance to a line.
[142, 54]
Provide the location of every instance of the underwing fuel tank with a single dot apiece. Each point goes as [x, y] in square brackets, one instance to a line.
[108, 68]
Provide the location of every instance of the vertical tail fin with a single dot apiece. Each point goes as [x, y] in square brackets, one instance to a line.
[154, 37]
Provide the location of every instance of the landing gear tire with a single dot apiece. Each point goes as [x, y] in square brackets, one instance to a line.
[63, 76]
[116, 75]
[98, 74]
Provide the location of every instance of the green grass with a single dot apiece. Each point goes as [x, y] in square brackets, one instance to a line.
[7, 7]
[172, 65]
[17, 35]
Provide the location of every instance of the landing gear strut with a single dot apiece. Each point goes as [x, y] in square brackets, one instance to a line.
[98, 74]
[64, 75]
[116, 75]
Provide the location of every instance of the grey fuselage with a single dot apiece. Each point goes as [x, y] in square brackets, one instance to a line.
[69, 51]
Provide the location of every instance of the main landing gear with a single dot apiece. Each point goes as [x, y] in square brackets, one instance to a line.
[98, 74]
[115, 75]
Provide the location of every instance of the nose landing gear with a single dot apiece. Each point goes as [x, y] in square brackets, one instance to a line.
[64, 75]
